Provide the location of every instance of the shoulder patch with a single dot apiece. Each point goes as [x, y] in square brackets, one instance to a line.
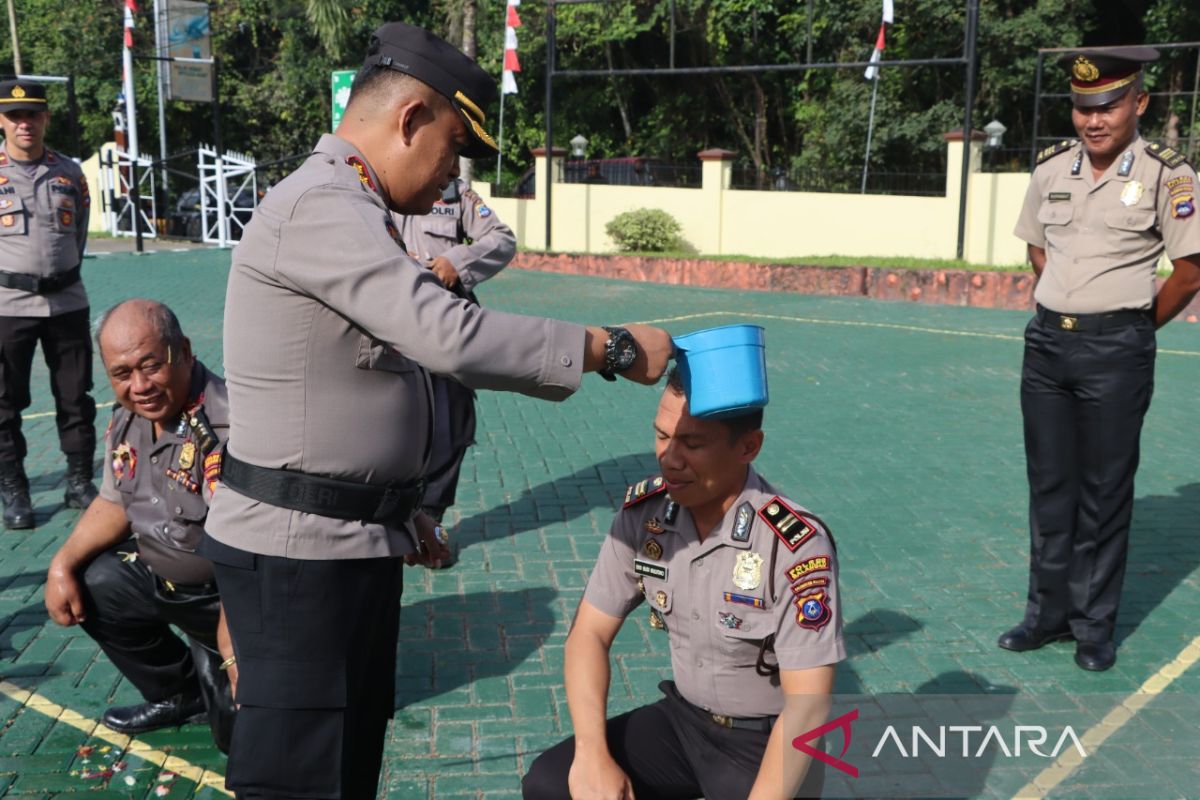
[1054, 149]
[792, 529]
[643, 490]
[1167, 155]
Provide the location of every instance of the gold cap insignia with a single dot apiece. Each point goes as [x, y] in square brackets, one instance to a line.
[18, 91]
[1085, 70]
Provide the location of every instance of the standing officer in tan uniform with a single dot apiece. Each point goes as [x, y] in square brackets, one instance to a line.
[43, 228]
[1098, 215]
[159, 472]
[463, 241]
[331, 331]
[743, 582]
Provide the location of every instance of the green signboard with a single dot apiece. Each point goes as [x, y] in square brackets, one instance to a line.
[340, 86]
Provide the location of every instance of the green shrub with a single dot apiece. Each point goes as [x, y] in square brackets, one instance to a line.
[644, 230]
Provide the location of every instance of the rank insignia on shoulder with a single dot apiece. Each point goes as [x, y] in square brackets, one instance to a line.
[649, 570]
[360, 167]
[741, 524]
[1054, 149]
[1167, 155]
[653, 549]
[813, 611]
[808, 566]
[644, 489]
[789, 526]
[744, 599]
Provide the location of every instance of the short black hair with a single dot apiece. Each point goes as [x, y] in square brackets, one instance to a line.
[737, 425]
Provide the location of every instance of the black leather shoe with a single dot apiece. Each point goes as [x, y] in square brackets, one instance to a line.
[1021, 639]
[1095, 656]
[152, 716]
[14, 493]
[80, 490]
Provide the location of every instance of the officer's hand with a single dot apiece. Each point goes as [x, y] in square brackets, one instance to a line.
[430, 550]
[225, 647]
[598, 779]
[655, 349]
[64, 600]
[445, 271]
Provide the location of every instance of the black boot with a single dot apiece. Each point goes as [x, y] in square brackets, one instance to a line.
[14, 492]
[80, 489]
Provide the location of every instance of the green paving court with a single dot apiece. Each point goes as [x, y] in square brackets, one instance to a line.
[898, 423]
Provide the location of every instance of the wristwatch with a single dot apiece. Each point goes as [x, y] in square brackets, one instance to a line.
[620, 351]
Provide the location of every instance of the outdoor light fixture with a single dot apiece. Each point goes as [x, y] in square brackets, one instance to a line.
[995, 134]
[579, 145]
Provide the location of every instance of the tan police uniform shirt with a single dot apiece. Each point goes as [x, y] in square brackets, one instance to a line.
[1103, 238]
[329, 329]
[43, 230]
[492, 243]
[161, 483]
[720, 598]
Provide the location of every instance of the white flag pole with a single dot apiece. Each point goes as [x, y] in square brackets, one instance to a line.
[870, 131]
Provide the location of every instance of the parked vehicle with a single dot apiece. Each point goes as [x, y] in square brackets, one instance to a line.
[184, 220]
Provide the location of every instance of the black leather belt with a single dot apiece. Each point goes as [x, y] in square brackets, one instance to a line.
[1091, 323]
[760, 724]
[329, 497]
[40, 284]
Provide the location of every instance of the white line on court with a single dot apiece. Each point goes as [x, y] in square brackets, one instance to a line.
[35, 702]
[881, 325]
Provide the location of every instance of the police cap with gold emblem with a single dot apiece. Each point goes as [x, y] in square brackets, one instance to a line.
[1101, 76]
[21, 95]
[417, 52]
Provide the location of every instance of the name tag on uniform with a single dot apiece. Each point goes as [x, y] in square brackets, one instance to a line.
[1056, 197]
[649, 570]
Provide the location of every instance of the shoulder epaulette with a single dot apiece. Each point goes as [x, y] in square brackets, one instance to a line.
[1054, 149]
[791, 528]
[206, 437]
[1167, 155]
[644, 489]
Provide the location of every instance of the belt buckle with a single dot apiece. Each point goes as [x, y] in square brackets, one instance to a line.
[1068, 323]
[722, 720]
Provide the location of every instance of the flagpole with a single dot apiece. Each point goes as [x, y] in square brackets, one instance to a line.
[870, 130]
[500, 142]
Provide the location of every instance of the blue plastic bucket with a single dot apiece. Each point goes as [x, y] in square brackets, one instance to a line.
[724, 370]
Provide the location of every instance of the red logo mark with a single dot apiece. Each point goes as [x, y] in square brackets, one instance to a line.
[801, 742]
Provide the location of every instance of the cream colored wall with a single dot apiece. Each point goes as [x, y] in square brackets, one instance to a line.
[720, 221]
[91, 171]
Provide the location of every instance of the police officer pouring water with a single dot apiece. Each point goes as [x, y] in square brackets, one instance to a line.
[43, 228]
[331, 331]
[464, 243]
[1099, 213]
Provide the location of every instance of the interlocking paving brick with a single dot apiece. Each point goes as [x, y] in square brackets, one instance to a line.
[904, 435]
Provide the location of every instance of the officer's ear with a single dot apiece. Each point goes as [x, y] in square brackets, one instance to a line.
[749, 445]
[1142, 102]
[413, 113]
[185, 351]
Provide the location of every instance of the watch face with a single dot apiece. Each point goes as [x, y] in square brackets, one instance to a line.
[626, 352]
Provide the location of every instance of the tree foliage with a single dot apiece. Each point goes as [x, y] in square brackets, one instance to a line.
[276, 57]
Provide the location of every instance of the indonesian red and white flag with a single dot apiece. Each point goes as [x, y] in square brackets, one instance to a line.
[130, 9]
[888, 16]
[508, 83]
